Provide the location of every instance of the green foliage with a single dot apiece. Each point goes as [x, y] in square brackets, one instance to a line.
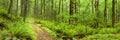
[84, 30]
[10, 18]
[2, 10]
[62, 29]
[63, 17]
[54, 34]
[45, 23]
[22, 31]
[102, 37]
[5, 35]
[14, 28]
[108, 31]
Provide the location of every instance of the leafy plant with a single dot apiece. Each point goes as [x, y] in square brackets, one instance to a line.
[102, 37]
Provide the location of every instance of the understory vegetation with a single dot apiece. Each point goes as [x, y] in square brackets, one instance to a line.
[13, 28]
[82, 32]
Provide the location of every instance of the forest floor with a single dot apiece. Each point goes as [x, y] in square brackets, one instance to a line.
[41, 34]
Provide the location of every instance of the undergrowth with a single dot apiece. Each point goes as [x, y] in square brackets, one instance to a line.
[13, 28]
[65, 31]
[102, 37]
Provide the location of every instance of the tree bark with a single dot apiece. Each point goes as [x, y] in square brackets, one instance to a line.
[41, 6]
[44, 10]
[71, 7]
[97, 12]
[105, 14]
[113, 13]
[36, 8]
[17, 7]
[25, 10]
[10, 6]
[22, 7]
[59, 7]
[93, 6]
[71, 12]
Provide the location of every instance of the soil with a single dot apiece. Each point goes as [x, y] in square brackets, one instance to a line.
[41, 33]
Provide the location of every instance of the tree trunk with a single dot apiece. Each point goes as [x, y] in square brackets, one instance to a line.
[72, 8]
[41, 6]
[17, 8]
[52, 10]
[75, 3]
[93, 6]
[25, 10]
[10, 6]
[62, 5]
[44, 3]
[22, 7]
[105, 14]
[113, 13]
[97, 12]
[6, 4]
[59, 7]
[35, 8]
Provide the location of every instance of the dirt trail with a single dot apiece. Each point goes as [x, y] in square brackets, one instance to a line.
[41, 33]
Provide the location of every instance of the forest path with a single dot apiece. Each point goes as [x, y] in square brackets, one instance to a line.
[41, 34]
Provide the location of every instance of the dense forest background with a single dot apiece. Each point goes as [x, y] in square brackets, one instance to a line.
[61, 19]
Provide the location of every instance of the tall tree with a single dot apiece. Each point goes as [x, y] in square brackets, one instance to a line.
[72, 7]
[97, 12]
[22, 7]
[44, 10]
[75, 4]
[105, 14]
[10, 6]
[71, 12]
[113, 13]
[17, 7]
[25, 10]
[52, 9]
[6, 4]
[41, 6]
[36, 8]
[59, 7]
[118, 15]
[93, 6]
[62, 2]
